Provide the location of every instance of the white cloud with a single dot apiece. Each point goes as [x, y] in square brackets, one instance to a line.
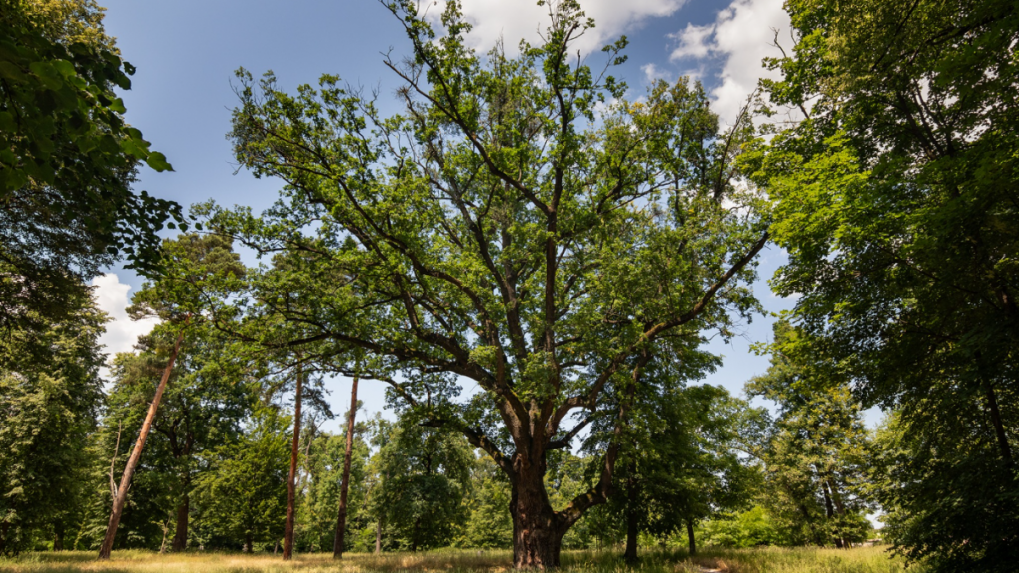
[121, 332]
[652, 72]
[693, 42]
[742, 34]
[516, 19]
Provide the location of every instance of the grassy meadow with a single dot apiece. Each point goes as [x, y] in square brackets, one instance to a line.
[766, 560]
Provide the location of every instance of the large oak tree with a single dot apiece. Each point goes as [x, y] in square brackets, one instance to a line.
[511, 249]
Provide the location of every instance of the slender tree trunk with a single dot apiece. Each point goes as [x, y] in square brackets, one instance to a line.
[689, 535]
[125, 481]
[58, 540]
[288, 535]
[632, 529]
[341, 518]
[378, 537]
[180, 537]
[999, 428]
[830, 511]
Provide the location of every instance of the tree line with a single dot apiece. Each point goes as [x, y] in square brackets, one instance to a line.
[531, 231]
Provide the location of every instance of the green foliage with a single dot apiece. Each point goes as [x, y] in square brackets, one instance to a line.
[67, 161]
[817, 456]
[242, 497]
[895, 200]
[323, 473]
[49, 405]
[751, 528]
[424, 477]
[489, 524]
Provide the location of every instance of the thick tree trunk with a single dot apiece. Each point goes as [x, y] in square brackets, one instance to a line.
[180, 536]
[341, 518]
[689, 535]
[537, 534]
[288, 535]
[125, 481]
[632, 526]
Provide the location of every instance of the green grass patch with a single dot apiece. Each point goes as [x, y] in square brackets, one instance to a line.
[764, 560]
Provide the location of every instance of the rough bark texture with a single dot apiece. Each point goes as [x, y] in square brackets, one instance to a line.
[180, 537]
[341, 518]
[537, 533]
[690, 537]
[288, 536]
[125, 481]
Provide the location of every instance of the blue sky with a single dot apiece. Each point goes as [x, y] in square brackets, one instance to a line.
[186, 52]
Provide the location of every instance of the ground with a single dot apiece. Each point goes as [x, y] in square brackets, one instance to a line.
[767, 560]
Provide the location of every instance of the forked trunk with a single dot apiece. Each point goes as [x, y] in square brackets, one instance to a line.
[125, 481]
[288, 534]
[180, 537]
[341, 518]
[537, 534]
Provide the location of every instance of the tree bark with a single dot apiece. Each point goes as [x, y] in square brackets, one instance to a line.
[341, 518]
[180, 537]
[632, 529]
[288, 535]
[689, 535]
[537, 533]
[125, 481]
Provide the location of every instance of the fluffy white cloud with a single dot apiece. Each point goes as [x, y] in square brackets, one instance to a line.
[516, 19]
[121, 332]
[742, 34]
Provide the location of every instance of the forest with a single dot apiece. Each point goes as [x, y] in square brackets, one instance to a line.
[531, 257]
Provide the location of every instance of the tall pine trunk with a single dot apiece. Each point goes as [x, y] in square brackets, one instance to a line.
[341, 519]
[288, 535]
[132, 463]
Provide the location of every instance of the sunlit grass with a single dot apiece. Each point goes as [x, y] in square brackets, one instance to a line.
[765, 560]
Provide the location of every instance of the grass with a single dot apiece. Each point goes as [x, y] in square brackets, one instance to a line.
[766, 560]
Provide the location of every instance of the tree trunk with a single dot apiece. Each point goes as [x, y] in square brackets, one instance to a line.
[249, 544]
[288, 535]
[689, 535]
[180, 537]
[341, 518]
[632, 529]
[830, 511]
[58, 540]
[537, 535]
[999, 428]
[125, 481]
[378, 537]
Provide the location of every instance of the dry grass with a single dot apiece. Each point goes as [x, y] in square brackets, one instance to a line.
[769, 560]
